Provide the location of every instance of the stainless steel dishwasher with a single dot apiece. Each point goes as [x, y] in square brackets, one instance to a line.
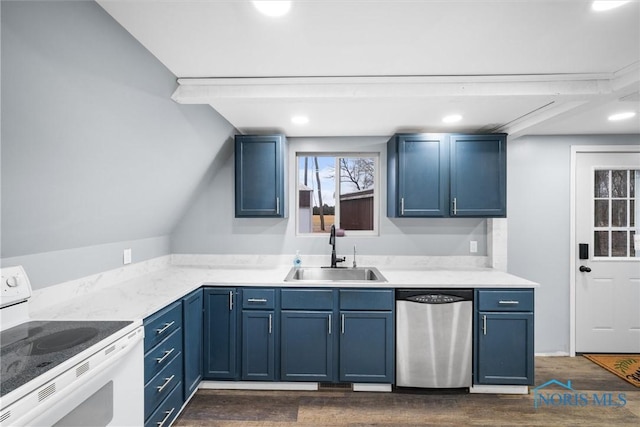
[434, 338]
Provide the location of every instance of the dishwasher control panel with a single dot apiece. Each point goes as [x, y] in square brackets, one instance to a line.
[435, 299]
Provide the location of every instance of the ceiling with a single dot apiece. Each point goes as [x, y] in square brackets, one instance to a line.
[365, 67]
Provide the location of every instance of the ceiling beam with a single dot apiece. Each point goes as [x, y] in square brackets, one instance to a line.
[208, 90]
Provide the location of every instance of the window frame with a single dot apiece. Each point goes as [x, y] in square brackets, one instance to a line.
[376, 191]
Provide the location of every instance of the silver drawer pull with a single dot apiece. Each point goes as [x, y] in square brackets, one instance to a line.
[166, 354]
[166, 417]
[166, 326]
[509, 302]
[484, 325]
[260, 300]
[166, 383]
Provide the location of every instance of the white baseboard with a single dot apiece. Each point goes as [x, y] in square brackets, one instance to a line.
[499, 389]
[384, 388]
[556, 354]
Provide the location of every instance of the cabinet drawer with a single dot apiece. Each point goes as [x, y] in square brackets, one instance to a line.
[160, 325]
[162, 354]
[258, 298]
[167, 411]
[366, 299]
[162, 384]
[306, 299]
[505, 300]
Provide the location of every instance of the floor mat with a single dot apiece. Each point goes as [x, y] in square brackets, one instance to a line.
[626, 366]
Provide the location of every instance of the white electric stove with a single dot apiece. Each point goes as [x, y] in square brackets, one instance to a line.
[66, 372]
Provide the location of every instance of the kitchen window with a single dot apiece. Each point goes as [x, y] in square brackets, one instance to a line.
[337, 188]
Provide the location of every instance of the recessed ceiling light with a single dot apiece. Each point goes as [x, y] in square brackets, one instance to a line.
[453, 118]
[621, 116]
[300, 120]
[601, 6]
[272, 8]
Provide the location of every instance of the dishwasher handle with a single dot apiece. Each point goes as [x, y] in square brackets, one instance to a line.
[434, 296]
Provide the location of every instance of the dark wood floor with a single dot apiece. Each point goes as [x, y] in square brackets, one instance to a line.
[347, 408]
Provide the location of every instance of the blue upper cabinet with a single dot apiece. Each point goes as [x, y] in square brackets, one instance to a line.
[442, 175]
[417, 176]
[478, 175]
[260, 176]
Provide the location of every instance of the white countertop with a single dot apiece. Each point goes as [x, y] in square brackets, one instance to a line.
[118, 297]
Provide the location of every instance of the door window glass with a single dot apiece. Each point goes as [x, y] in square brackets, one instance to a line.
[614, 215]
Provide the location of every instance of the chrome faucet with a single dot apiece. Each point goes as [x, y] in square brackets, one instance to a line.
[332, 241]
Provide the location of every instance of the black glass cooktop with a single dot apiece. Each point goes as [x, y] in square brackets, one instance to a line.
[31, 349]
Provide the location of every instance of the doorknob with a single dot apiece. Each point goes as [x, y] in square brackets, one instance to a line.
[584, 269]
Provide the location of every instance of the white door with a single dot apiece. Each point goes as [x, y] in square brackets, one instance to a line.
[607, 283]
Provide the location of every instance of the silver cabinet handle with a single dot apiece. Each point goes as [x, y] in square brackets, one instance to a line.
[342, 324]
[455, 206]
[402, 206]
[329, 324]
[230, 300]
[270, 324]
[166, 417]
[484, 325]
[165, 327]
[166, 383]
[509, 302]
[277, 205]
[166, 354]
[260, 300]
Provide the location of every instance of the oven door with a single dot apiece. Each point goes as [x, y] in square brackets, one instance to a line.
[111, 395]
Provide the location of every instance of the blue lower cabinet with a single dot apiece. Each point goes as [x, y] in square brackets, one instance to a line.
[307, 346]
[503, 347]
[160, 386]
[258, 345]
[367, 347]
[192, 349]
[163, 368]
[221, 343]
[168, 410]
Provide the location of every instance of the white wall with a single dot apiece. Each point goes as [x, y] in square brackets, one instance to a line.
[538, 186]
[96, 157]
[210, 227]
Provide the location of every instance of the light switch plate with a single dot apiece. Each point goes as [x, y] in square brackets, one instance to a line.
[473, 246]
[126, 257]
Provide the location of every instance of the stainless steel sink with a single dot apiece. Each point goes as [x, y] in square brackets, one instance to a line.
[326, 274]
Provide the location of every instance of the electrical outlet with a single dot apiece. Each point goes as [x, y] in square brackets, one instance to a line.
[126, 256]
[473, 246]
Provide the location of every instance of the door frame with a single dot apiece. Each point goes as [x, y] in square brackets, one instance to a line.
[575, 150]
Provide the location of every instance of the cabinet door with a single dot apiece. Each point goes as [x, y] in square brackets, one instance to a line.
[220, 333]
[259, 175]
[366, 346]
[306, 340]
[504, 348]
[192, 348]
[478, 175]
[258, 345]
[419, 187]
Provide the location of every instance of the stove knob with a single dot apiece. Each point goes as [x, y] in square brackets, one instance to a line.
[13, 281]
